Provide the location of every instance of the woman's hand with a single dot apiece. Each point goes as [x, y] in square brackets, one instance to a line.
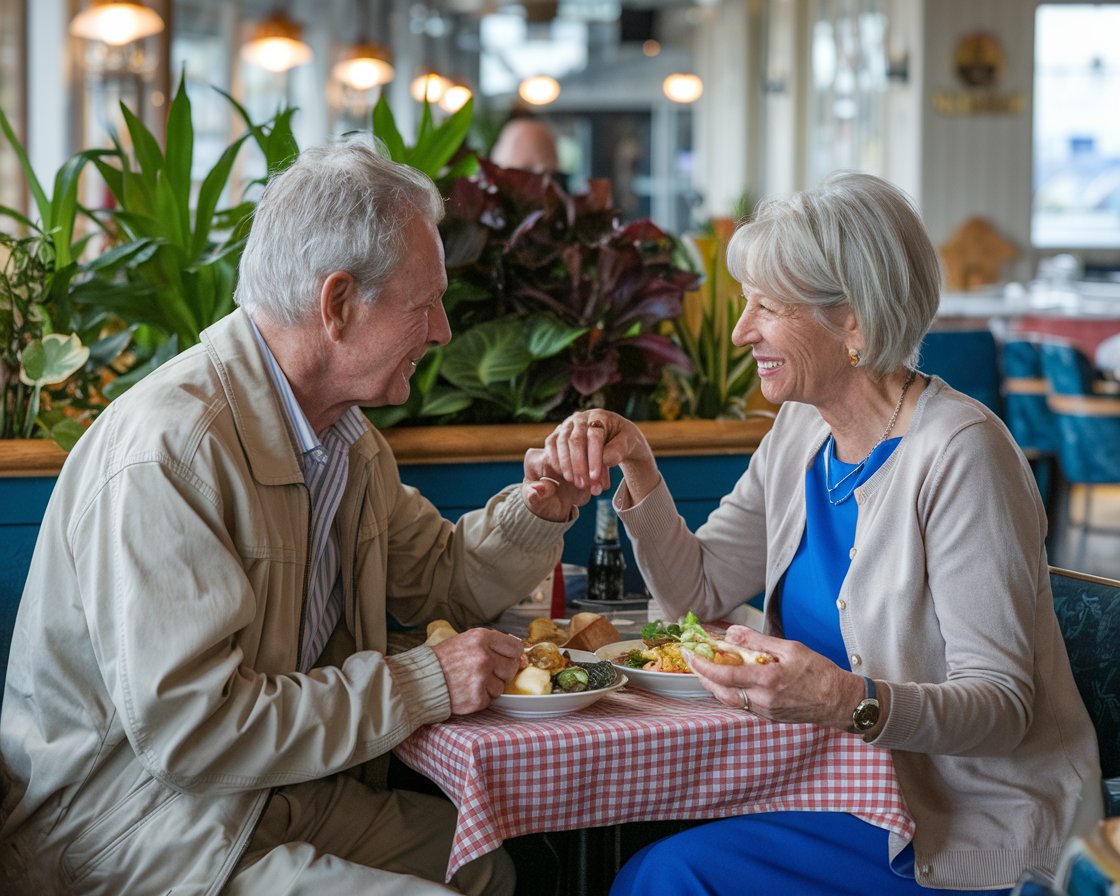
[802, 686]
[584, 447]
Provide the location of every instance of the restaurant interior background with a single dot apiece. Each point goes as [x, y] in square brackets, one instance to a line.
[1003, 109]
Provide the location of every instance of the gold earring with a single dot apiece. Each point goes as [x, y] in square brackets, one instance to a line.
[853, 356]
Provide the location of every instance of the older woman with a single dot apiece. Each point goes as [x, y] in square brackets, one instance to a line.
[897, 534]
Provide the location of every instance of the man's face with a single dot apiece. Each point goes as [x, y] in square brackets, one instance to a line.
[385, 339]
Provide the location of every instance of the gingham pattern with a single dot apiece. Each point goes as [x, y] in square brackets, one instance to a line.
[634, 756]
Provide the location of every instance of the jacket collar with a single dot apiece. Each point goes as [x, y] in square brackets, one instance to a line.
[257, 413]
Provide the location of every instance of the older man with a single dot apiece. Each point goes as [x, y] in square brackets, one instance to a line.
[199, 656]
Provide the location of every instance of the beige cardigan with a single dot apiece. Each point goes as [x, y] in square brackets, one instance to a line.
[947, 605]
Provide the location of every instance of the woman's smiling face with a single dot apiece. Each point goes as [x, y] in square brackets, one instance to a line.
[799, 359]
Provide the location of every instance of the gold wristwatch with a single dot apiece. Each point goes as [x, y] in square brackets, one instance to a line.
[866, 714]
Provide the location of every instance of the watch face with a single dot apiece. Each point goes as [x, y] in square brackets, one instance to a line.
[866, 714]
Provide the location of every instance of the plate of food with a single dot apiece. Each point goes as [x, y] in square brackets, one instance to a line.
[557, 681]
[659, 662]
[654, 668]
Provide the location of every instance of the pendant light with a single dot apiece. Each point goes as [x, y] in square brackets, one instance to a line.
[683, 87]
[115, 22]
[366, 63]
[276, 44]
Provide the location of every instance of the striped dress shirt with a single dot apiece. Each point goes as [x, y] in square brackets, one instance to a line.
[326, 464]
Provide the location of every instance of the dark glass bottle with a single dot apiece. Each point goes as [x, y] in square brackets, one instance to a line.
[606, 565]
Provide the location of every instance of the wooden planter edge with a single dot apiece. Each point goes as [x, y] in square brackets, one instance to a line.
[465, 444]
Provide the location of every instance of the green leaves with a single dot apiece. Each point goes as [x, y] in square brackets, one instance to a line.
[496, 364]
[435, 146]
[182, 268]
[51, 360]
[722, 373]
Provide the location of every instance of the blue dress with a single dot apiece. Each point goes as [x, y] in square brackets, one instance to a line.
[802, 853]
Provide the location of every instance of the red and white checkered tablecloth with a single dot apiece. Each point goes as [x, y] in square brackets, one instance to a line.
[635, 756]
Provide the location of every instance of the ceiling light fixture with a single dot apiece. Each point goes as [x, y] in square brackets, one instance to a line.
[682, 88]
[276, 44]
[539, 90]
[430, 86]
[366, 64]
[455, 97]
[116, 23]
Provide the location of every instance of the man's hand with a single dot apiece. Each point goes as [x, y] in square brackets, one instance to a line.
[477, 665]
[546, 493]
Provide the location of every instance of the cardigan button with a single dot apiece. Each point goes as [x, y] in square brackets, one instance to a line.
[852, 554]
[855, 659]
[925, 869]
[841, 604]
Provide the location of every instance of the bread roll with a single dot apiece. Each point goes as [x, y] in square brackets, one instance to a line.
[439, 630]
[592, 632]
[545, 629]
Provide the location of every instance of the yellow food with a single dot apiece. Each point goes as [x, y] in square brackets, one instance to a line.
[547, 656]
[666, 658]
[439, 630]
[531, 681]
[545, 629]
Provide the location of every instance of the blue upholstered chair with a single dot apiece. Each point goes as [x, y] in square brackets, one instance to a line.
[968, 360]
[1087, 416]
[1025, 391]
[1088, 610]
[1027, 414]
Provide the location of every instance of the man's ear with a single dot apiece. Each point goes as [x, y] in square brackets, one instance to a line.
[336, 303]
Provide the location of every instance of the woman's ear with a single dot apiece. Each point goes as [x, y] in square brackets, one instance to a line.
[336, 302]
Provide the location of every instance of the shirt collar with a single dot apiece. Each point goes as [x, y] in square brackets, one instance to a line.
[349, 427]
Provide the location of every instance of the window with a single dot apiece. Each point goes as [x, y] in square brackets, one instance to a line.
[1076, 198]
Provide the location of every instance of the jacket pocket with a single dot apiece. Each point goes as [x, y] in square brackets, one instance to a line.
[113, 829]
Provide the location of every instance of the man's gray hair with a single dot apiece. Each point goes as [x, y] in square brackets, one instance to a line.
[855, 239]
[339, 207]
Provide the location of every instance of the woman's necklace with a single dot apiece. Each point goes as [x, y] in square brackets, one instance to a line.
[830, 447]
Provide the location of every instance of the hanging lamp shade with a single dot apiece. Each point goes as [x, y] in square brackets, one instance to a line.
[276, 44]
[366, 64]
[455, 97]
[683, 87]
[116, 23]
[539, 90]
[429, 86]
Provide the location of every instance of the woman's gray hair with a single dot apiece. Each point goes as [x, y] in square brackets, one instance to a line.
[855, 239]
[340, 207]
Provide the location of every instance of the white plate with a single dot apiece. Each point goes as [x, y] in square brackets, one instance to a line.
[668, 684]
[545, 706]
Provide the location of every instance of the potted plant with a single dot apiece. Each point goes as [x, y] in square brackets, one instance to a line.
[554, 302]
[722, 383]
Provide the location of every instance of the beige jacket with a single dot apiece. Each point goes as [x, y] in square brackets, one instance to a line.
[947, 605]
[151, 700]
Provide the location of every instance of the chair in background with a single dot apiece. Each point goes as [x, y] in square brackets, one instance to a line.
[1088, 611]
[1088, 429]
[968, 360]
[1027, 414]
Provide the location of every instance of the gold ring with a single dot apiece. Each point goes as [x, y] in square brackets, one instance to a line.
[746, 700]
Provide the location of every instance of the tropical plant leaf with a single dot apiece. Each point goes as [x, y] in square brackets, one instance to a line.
[385, 129]
[51, 360]
[180, 148]
[437, 145]
[491, 353]
[548, 336]
[36, 188]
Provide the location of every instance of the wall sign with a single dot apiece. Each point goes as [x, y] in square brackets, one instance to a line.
[979, 63]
